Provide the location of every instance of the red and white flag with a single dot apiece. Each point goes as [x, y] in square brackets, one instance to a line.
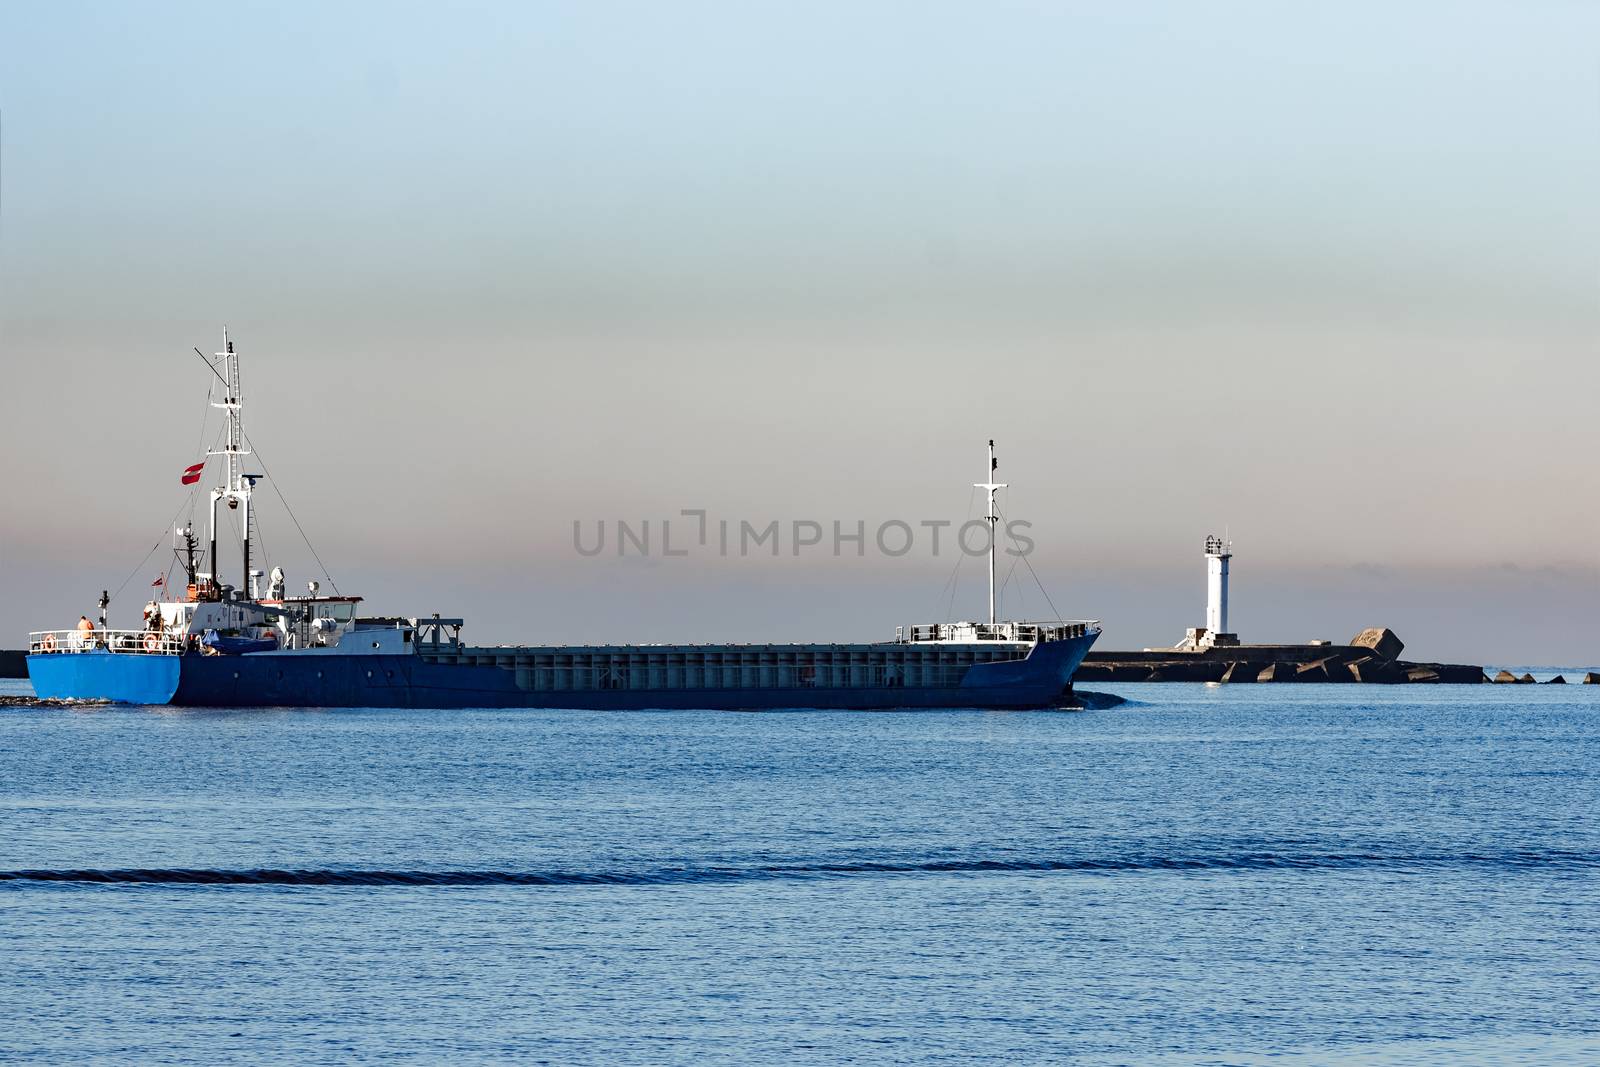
[161, 579]
[191, 474]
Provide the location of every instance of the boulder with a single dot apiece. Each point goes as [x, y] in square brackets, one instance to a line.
[1375, 671]
[1242, 672]
[1504, 677]
[1419, 674]
[1310, 672]
[1591, 678]
[1112, 672]
[1526, 679]
[1458, 673]
[1557, 680]
[1381, 640]
[1331, 669]
[13, 663]
[1186, 671]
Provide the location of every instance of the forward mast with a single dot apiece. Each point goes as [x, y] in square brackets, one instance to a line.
[990, 486]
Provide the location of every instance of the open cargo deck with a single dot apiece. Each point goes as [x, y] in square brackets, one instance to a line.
[680, 667]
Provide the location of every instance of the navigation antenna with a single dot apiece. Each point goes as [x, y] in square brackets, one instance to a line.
[990, 487]
[237, 485]
[190, 541]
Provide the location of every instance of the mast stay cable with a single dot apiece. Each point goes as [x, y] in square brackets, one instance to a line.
[153, 548]
[952, 583]
[290, 512]
[1024, 557]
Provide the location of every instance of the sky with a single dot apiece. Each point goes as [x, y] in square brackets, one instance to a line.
[1322, 278]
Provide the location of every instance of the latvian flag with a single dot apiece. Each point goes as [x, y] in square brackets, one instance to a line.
[161, 579]
[192, 474]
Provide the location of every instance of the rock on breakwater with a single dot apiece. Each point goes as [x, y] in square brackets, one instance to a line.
[1371, 657]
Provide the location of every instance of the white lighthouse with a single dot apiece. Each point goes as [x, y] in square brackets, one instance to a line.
[1218, 553]
[1215, 632]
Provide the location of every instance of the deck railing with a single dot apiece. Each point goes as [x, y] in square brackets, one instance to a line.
[1022, 632]
[129, 642]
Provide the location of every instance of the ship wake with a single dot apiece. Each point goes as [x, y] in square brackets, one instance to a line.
[1511, 860]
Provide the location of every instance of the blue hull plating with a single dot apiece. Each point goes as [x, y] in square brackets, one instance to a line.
[407, 681]
[126, 679]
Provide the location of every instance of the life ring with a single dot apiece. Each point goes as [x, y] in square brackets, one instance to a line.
[152, 642]
[48, 644]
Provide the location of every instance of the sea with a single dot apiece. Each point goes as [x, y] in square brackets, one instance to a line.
[1260, 874]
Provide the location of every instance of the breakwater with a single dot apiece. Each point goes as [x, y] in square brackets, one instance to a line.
[1270, 663]
[1372, 657]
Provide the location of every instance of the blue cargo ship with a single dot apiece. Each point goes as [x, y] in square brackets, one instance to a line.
[215, 645]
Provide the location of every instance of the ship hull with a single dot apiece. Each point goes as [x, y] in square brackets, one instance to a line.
[101, 675]
[1036, 679]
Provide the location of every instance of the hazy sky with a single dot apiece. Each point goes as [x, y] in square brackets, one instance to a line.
[1324, 276]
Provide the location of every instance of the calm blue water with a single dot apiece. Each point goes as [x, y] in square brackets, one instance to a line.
[1266, 874]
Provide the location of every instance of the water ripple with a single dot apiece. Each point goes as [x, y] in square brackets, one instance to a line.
[1544, 860]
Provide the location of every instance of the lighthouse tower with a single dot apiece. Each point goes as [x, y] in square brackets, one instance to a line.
[1215, 632]
[1218, 553]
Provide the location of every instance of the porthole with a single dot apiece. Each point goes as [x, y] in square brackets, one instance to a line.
[369, 674]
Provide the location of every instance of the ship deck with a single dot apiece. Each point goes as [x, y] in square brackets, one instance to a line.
[872, 665]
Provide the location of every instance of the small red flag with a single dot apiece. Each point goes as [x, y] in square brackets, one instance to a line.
[192, 474]
[160, 580]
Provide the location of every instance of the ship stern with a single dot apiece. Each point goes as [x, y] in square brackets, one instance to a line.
[98, 675]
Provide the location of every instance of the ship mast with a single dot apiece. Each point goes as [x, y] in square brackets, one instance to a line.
[189, 542]
[236, 485]
[990, 486]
